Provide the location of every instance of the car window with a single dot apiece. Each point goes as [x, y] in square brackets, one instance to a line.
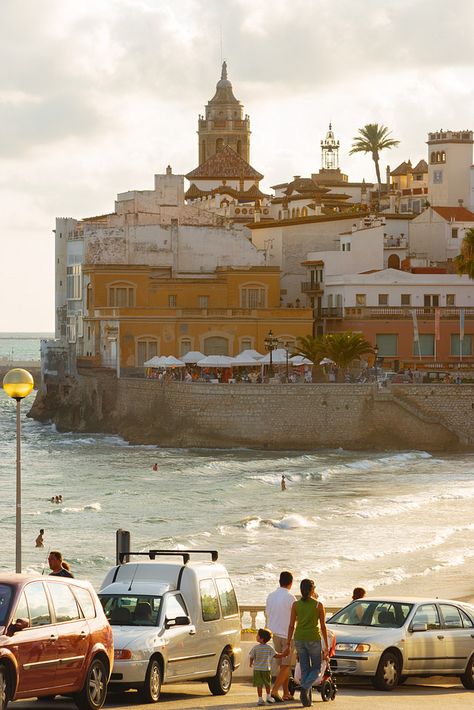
[37, 604]
[175, 607]
[227, 597]
[21, 611]
[451, 616]
[427, 614]
[209, 602]
[466, 620]
[365, 612]
[64, 602]
[5, 599]
[131, 610]
[86, 602]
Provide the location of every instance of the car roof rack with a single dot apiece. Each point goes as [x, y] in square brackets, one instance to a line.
[185, 554]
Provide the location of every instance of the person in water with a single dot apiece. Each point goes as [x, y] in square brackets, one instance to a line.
[283, 483]
[39, 542]
[154, 467]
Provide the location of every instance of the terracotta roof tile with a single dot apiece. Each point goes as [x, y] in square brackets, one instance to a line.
[420, 167]
[225, 164]
[458, 214]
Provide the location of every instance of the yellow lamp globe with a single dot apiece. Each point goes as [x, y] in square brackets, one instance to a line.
[18, 383]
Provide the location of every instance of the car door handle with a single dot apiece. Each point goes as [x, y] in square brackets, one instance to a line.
[53, 637]
[440, 637]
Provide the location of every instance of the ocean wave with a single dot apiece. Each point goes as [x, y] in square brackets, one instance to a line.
[96, 507]
[392, 506]
[290, 521]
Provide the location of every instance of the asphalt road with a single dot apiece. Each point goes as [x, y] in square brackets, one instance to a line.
[430, 696]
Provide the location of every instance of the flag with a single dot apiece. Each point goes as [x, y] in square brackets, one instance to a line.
[437, 324]
[416, 336]
[461, 324]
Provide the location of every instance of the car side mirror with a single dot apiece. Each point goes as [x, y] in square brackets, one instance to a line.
[178, 621]
[18, 625]
[419, 627]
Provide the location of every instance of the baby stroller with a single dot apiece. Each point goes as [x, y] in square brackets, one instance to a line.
[325, 683]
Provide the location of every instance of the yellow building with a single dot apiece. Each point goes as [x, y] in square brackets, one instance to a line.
[136, 312]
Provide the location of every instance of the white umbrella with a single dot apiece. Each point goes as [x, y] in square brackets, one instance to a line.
[250, 353]
[245, 361]
[192, 357]
[279, 357]
[327, 361]
[298, 360]
[156, 362]
[172, 361]
[216, 361]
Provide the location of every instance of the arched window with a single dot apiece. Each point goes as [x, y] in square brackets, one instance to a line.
[443, 156]
[245, 344]
[219, 144]
[253, 295]
[293, 212]
[121, 295]
[216, 345]
[433, 157]
[297, 211]
[146, 348]
[185, 346]
[304, 212]
[438, 157]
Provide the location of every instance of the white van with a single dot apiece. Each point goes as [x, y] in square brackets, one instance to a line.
[172, 622]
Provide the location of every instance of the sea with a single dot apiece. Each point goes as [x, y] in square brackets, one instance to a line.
[398, 522]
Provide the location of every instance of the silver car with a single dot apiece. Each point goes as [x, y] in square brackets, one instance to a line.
[390, 639]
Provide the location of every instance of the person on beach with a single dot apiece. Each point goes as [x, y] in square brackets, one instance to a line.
[59, 567]
[278, 612]
[39, 542]
[154, 467]
[309, 617]
[283, 483]
[261, 656]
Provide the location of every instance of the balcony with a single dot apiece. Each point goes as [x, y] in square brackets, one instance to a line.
[395, 243]
[311, 287]
[337, 312]
[405, 313]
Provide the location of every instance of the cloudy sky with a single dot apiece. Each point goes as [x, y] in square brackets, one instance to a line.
[98, 95]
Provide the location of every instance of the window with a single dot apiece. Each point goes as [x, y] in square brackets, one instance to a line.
[245, 344]
[146, 349]
[457, 349]
[383, 299]
[427, 614]
[37, 604]
[64, 602]
[360, 299]
[203, 301]
[209, 602]
[216, 345]
[86, 602]
[74, 282]
[121, 296]
[451, 616]
[450, 299]
[316, 276]
[405, 299]
[227, 597]
[130, 610]
[437, 177]
[175, 607]
[387, 344]
[21, 611]
[253, 297]
[425, 345]
[454, 232]
[185, 346]
[467, 622]
[172, 301]
[431, 300]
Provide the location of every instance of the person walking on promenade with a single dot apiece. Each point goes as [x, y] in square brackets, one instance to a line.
[283, 483]
[261, 660]
[278, 611]
[57, 565]
[308, 615]
[39, 542]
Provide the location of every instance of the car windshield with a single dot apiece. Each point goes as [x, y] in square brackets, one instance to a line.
[365, 612]
[5, 599]
[131, 609]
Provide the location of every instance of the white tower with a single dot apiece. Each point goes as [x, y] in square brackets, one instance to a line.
[330, 151]
[449, 168]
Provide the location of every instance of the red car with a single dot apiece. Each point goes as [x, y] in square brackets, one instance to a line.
[54, 640]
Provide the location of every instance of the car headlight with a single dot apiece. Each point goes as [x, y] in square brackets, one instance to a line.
[122, 654]
[358, 647]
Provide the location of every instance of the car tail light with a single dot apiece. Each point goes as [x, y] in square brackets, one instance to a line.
[122, 654]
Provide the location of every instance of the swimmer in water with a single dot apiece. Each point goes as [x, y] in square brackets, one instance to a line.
[154, 467]
[39, 539]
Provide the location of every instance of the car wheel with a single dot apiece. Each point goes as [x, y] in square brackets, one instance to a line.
[467, 678]
[92, 695]
[3, 688]
[220, 684]
[150, 693]
[388, 672]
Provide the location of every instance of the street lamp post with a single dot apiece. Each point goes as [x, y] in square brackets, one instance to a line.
[376, 351]
[286, 345]
[271, 343]
[18, 384]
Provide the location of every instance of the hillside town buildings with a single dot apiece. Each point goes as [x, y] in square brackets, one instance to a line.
[215, 265]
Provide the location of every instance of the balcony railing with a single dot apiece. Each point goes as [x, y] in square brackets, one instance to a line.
[337, 312]
[403, 313]
[311, 287]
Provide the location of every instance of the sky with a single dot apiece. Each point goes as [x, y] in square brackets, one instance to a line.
[97, 96]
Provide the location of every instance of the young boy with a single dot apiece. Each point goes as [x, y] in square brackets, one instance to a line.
[261, 661]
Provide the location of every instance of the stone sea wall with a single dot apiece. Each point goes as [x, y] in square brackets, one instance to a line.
[269, 416]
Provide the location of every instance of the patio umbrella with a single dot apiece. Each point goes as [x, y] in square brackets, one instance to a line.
[172, 361]
[298, 360]
[245, 361]
[156, 362]
[278, 357]
[216, 361]
[251, 353]
[327, 361]
[192, 357]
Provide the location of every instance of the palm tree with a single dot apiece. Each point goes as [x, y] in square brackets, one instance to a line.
[343, 348]
[464, 262]
[373, 138]
[312, 348]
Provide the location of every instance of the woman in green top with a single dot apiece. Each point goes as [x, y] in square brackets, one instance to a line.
[309, 617]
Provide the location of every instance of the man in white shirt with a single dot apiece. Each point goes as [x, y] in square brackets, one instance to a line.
[278, 611]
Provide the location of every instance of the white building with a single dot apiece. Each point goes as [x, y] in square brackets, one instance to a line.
[450, 168]
[437, 233]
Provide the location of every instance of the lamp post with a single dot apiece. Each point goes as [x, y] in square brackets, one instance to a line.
[18, 384]
[271, 343]
[286, 345]
[376, 351]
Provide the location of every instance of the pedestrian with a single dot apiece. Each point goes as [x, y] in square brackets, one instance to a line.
[261, 656]
[283, 483]
[59, 567]
[309, 618]
[39, 540]
[358, 593]
[278, 611]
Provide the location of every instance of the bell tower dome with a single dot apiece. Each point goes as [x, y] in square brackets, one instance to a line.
[223, 123]
[330, 151]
